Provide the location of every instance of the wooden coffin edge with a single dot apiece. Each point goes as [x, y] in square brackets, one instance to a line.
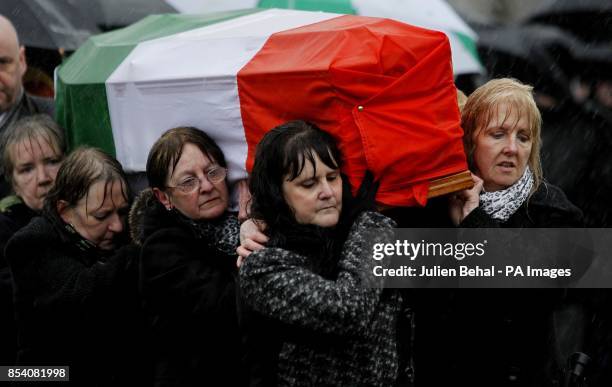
[449, 184]
[444, 186]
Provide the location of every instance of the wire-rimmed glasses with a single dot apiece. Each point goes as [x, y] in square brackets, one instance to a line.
[192, 183]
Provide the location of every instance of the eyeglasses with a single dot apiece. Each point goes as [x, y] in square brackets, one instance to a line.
[192, 183]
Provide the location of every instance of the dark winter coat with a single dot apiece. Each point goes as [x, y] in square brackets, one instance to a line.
[187, 275]
[353, 328]
[547, 207]
[14, 215]
[28, 105]
[75, 305]
[496, 337]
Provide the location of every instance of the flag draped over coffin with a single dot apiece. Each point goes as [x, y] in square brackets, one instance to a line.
[384, 89]
[432, 14]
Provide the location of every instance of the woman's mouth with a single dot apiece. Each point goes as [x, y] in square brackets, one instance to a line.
[209, 202]
[42, 193]
[507, 166]
[327, 208]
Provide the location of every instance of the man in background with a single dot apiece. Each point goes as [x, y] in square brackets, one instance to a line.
[15, 103]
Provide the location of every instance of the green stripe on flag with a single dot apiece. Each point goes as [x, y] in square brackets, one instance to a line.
[81, 102]
[469, 44]
[336, 6]
[83, 112]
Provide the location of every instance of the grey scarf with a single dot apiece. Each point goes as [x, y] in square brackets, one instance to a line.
[502, 204]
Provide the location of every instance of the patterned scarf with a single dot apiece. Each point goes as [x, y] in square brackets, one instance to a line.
[501, 205]
[222, 234]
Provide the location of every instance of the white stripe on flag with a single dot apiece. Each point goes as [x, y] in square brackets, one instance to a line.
[209, 6]
[433, 14]
[189, 79]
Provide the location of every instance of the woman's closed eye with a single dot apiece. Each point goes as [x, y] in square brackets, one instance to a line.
[53, 161]
[24, 169]
[497, 134]
[524, 137]
[308, 183]
[189, 182]
[101, 215]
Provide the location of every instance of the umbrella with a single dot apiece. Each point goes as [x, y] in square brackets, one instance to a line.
[431, 14]
[111, 14]
[536, 54]
[48, 24]
[591, 20]
[383, 88]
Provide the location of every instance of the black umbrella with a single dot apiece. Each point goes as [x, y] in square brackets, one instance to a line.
[111, 14]
[535, 54]
[48, 24]
[591, 20]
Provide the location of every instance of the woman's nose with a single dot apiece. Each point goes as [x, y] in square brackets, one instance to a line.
[511, 146]
[205, 184]
[326, 190]
[43, 176]
[116, 223]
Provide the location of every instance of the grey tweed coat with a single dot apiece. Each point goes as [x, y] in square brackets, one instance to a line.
[358, 324]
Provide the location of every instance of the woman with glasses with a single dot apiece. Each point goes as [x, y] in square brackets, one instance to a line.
[187, 262]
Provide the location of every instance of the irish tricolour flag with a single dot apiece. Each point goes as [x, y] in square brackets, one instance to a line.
[384, 89]
[433, 14]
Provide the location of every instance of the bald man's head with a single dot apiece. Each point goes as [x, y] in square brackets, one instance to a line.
[12, 65]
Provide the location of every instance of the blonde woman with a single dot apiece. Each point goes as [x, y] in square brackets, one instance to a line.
[502, 126]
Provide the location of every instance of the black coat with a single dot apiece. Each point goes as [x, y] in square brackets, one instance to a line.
[187, 281]
[495, 337]
[74, 306]
[547, 207]
[14, 215]
[28, 105]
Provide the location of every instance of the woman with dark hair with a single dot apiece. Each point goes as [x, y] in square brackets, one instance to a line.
[33, 149]
[187, 262]
[309, 279]
[74, 285]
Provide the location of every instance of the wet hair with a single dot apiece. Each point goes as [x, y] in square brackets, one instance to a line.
[35, 129]
[282, 154]
[83, 168]
[482, 106]
[166, 153]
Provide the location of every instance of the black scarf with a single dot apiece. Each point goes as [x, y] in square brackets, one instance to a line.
[70, 236]
[321, 245]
